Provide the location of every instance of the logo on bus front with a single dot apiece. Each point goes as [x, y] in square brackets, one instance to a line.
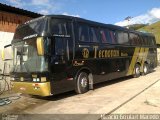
[85, 53]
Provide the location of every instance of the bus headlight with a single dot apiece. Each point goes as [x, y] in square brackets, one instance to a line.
[36, 79]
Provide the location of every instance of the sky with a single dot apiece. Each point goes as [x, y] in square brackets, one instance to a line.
[104, 11]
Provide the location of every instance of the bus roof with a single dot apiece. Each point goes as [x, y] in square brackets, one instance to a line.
[93, 23]
[110, 26]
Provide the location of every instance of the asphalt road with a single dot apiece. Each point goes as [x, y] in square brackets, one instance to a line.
[121, 96]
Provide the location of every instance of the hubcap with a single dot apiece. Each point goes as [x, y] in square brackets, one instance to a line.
[137, 70]
[145, 69]
[84, 82]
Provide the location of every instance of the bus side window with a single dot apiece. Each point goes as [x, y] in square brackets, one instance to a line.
[103, 36]
[59, 27]
[146, 41]
[93, 33]
[83, 33]
[134, 39]
[107, 36]
[122, 37]
[137, 40]
[152, 41]
[141, 40]
[113, 37]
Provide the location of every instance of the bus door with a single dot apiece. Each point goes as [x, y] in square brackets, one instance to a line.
[62, 54]
[62, 45]
[61, 51]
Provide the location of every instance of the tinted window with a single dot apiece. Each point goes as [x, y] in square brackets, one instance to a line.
[83, 33]
[134, 39]
[113, 36]
[34, 27]
[122, 37]
[153, 41]
[148, 41]
[93, 33]
[145, 41]
[107, 36]
[59, 26]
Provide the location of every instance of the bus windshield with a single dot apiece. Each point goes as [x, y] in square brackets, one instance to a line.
[31, 29]
[26, 58]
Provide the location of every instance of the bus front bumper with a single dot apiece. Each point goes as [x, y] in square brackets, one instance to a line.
[40, 89]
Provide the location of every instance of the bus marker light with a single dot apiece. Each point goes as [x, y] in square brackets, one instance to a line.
[43, 79]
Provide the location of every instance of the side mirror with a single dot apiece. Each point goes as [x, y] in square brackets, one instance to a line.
[40, 46]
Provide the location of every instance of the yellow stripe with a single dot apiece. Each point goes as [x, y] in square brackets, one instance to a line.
[140, 55]
[144, 57]
[133, 61]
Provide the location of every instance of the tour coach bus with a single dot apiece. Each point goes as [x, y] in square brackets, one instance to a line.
[55, 53]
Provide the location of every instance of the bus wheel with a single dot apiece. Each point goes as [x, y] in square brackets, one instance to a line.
[136, 71]
[145, 69]
[82, 83]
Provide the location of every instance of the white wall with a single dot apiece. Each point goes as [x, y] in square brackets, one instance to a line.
[5, 39]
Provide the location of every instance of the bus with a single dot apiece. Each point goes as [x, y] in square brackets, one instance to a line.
[56, 53]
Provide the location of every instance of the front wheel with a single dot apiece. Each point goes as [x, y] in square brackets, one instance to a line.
[82, 83]
[136, 71]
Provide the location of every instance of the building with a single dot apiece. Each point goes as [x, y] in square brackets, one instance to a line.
[10, 18]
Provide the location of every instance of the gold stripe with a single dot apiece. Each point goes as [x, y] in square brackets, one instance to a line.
[141, 56]
[133, 61]
[42, 89]
[145, 54]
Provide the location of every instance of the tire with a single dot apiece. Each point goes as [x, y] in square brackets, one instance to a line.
[82, 83]
[136, 71]
[145, 69]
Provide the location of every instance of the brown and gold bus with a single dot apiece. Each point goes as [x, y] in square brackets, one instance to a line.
[56, 53]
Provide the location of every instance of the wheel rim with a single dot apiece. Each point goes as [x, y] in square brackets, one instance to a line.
[137, 70]
[84, 82]
[145, 69]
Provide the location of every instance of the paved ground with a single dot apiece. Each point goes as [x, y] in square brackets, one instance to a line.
[126, 95]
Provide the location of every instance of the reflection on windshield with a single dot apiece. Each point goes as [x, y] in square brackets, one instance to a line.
[32, 28]
[26, 58]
